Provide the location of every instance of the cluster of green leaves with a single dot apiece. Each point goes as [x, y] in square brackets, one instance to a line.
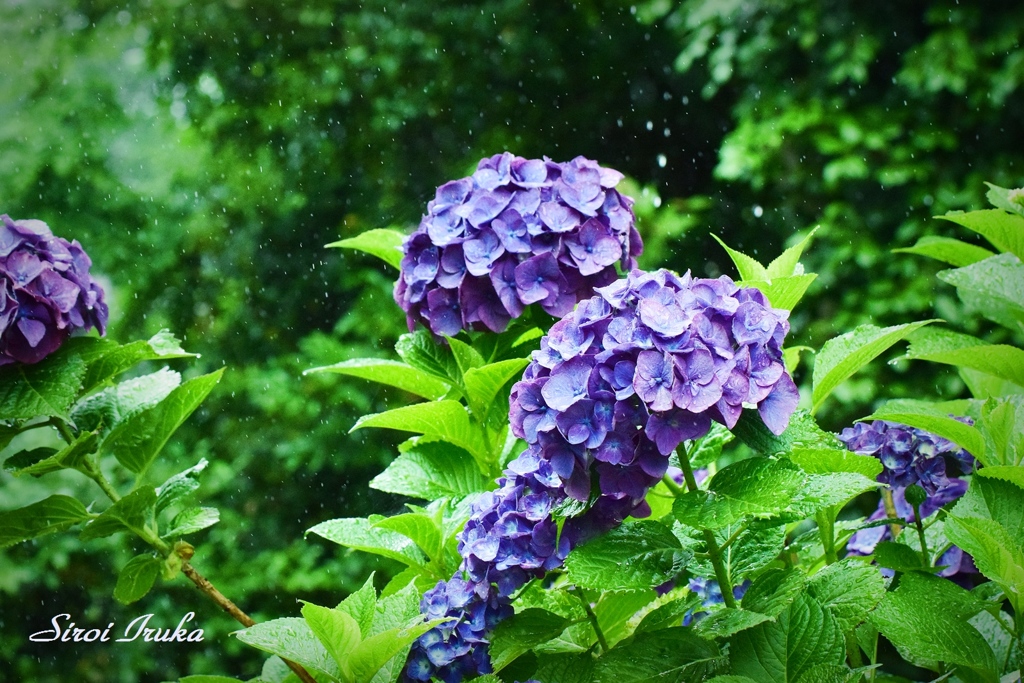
[362, 640]
[462, 444]
[365, 639]
[104, 419]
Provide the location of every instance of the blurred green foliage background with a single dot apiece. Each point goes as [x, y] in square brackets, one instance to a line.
[205, 152]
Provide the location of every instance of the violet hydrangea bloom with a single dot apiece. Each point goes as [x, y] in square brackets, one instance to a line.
[510, 538]
[616, 386]
[517, 232]
[649, 362]
[911, 456]
[46, 291]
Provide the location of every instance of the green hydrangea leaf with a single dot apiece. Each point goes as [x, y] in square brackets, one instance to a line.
[850, 589]
[134, 512]
[360, 533]
[804, 635]
[927, 617]
[45, 389]
[638, 554]
[384, 243]
[430, 470]
[191, 520]
[948, 250]
[674, 655]
[392, 373]
[421, 351]
[1004, 230]
[844, 355]
[109, 360]
[291, 638]
[517, 635]
[994, 288]
[757, 486]
[56, 513]
[446, 420]
[136, 441]
[952, 348]
[136, 578]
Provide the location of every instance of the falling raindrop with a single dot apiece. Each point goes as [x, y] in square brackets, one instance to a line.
[662, 160]
[758, 211]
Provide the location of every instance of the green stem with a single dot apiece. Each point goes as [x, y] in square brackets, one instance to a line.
[62, 429]
[1006, 659]
[92, 470]
[890, 511]
[714, 551]
[1019, 623]
[593, 619]
[672, 486]
[231, 608]
[925, 556]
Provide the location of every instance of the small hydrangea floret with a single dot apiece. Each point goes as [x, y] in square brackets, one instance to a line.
[515, 233]
[46, 291]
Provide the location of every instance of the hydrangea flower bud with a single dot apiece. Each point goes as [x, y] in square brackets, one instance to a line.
[517, 232]
[616, 386]
[46, 291]
[911, 459]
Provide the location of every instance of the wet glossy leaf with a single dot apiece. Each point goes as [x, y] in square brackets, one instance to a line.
[844, 355]
[391, 373]
[360, 533]
[384, 243]
[432, 469]
[56, 513]
[638, 554]
[948, 250]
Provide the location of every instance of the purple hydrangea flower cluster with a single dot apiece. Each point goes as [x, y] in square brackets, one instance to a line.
[710, 592]
[613, 390]
[911, 456]
[510, 538]
[646, 364]
[46, 291]
[517, 232]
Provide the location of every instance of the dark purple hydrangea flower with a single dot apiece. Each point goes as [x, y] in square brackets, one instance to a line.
[46, 291]
[911, 456]
[516, 232]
